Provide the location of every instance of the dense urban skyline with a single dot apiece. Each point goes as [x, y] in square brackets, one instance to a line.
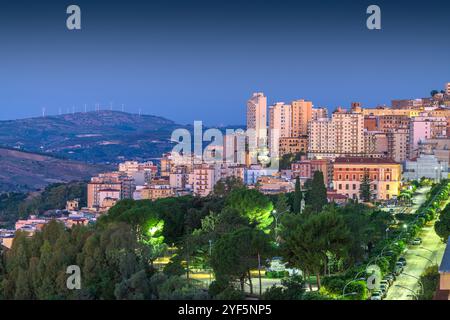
[200, 60]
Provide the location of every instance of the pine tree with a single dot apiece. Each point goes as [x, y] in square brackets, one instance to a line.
[298, 196]
[364, 190]
[317, 196]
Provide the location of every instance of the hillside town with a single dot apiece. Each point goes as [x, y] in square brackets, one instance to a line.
[383, 149]
[407, 141]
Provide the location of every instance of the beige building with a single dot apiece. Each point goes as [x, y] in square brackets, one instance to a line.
[291, 145]
[73, 205]
[157, 190]
[205, 177]
[280, 117]
[274, 185]
[319, 113]
[301, 115]
[321, 139]
[385, 111]
[375, 144]
[398, 144]
[343, 135]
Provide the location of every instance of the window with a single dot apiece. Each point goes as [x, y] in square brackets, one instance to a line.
[354, 186]
[388, 177]
[387, 187]
[340, 186]
[347, 186]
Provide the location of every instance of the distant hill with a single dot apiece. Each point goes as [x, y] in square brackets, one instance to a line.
[23, 171]
[93, 137]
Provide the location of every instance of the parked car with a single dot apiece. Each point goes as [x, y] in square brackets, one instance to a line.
[416, 241]
[389, 278]
[385, 283]
[376, 295]
[402, 260]
[383, 289]
[398, 268]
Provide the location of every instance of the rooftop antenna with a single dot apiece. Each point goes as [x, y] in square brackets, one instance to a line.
[59, 111]
[110, 105]
[43, 112]
[140, 111]
[73, 109]
[123, 108]
[85, 108]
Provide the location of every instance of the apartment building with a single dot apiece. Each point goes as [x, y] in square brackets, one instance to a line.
[301, 115]
[343, 135]
[422, 128]
[257, 122]
[305, 168]
[205, 177]
[319, 113]
[279, 125]
[398, 144]
[375, 144]
[321, 139]
[292, 145]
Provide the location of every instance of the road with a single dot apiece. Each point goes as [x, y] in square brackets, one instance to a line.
[418, 259]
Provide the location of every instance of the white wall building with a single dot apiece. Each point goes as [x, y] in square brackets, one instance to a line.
[428, 166]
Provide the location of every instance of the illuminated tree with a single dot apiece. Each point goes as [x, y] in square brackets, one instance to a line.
[253, 205]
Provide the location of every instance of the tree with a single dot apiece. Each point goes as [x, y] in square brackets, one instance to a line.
[298, 197]
[253, 205]
[442, 226]
[234, 262]
[307, 239]
[287, 159]
[224, 186]
[434, 92]
[364, 190]
[317, 195]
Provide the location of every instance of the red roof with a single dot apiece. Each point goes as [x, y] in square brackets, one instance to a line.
[358, 160]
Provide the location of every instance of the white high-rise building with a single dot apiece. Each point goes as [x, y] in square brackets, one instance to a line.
[257, 124]
[279, 125]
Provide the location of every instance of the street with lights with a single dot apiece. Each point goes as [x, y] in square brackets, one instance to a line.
[419, 257]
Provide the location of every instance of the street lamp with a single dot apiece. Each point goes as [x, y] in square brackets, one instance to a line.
[351, 281]
[431, 251]
[406, 288]
[210, 269]
[348, 294]
[274, 213]
[417, 278]
[418, 255]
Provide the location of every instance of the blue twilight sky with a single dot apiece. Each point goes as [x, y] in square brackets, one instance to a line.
[201, 60]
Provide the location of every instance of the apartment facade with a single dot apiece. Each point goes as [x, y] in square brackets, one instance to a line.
[301, 115]
[257, 124]
[384, 174]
